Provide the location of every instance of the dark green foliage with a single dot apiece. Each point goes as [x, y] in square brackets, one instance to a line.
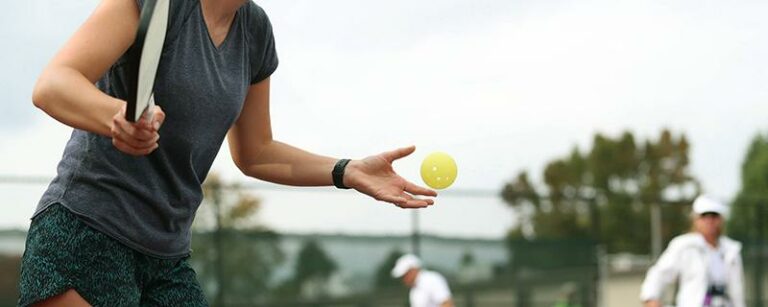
[753, 192]
[233, 256]
[383, 277]
[313, 262]
[606, 193]
[312, 271]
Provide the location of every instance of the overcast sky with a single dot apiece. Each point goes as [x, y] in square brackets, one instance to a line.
[501, 85]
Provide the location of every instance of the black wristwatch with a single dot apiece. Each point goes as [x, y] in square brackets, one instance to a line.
[338, 173]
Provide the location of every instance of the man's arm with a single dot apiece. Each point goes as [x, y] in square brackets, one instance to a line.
[652, 303]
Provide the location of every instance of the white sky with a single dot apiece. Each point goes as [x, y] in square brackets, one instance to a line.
[501, 85]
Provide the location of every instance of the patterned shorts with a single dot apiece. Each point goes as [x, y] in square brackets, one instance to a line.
[64, 253]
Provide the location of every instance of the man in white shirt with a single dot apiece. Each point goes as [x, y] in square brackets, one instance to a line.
[428, 289]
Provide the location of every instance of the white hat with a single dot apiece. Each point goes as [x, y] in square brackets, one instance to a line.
[405, 263]
[704, 204]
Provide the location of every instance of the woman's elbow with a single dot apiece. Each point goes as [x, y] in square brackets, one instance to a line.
[242, 166]
[41, 94]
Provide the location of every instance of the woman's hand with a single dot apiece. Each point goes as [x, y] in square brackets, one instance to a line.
[375, 177]
[139, 138]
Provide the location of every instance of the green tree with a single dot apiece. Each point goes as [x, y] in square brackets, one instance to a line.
[753, 192]
[607, 193]
[312, 271]
[467, 259]
[383, 278]
[313, 262]
[233, 254]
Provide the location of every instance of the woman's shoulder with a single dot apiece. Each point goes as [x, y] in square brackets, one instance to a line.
[182, 8]
[254, 12]
[179, 11]
[255, 19]
[686, 240]
[175, 5]
[729, 243]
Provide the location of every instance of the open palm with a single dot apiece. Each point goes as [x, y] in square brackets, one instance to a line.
[375, 177]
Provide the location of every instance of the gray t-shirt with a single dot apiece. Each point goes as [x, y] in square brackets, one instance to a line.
[149, 202]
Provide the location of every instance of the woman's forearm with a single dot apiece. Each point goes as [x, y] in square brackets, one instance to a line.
[69, 97]
[281, 163]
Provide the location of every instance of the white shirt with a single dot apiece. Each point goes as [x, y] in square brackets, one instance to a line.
[716, 268]
[429, 290]
[688, 259]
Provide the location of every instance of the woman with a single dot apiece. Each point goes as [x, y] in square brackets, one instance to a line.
[113, 228]
[706, 264]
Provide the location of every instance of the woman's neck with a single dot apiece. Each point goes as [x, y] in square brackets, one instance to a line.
[221, 12]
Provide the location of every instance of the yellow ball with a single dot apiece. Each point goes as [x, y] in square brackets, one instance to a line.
[438, 170]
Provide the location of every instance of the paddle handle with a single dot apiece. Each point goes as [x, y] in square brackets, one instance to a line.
[148, 111]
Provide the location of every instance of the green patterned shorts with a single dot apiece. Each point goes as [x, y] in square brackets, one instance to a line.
[64, 253]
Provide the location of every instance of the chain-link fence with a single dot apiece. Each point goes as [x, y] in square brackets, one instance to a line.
[265, 268]
[754, 238]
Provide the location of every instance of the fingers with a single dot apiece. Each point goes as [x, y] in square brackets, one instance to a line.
[415, 203]
[138, 138]
[133, 133]
[419, 190]
[152, 118]
[399, 153]
[407, 201]
[124, 147]
[397, 200]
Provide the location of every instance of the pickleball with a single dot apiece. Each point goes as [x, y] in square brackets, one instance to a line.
[438, 170]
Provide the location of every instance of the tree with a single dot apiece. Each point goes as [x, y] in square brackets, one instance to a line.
[234, 256]
[753, 192]
[383, 278]
[608, 192]
[312, 272]
[313, 262]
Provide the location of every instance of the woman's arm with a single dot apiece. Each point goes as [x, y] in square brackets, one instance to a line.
[258, 155]
[736, 284]
[660, 275]
[65, 89]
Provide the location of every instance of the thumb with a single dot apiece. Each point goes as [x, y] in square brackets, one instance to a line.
[399, 153]
[158, 117]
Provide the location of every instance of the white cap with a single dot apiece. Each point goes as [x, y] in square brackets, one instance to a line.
[405, 263]
[704, 204]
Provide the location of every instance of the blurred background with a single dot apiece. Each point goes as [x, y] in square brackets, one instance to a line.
[582, 131]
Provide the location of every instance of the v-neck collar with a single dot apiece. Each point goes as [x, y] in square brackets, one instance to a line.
[208, 31]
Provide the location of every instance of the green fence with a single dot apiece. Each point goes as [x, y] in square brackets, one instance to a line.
[754, 237]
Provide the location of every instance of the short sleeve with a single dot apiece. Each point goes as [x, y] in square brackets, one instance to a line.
[440, 292]
[261, 44]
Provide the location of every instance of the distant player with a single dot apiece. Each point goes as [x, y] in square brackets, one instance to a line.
[428, 289]
[706, 263]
